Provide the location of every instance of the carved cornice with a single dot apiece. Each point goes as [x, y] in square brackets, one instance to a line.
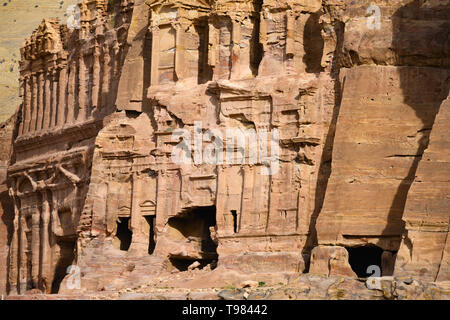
[293, 5]
[76, 155]
[45, 40]
[158, 4]
[234, 7]
[77, 131]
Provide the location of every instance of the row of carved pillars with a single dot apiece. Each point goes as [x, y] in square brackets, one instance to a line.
[45, 227]
[60, 95]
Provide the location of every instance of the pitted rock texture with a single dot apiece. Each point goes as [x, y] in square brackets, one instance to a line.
[200, 144]
[6, 209]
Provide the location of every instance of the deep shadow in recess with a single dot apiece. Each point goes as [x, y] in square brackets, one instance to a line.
[152, 235]
[196, 226]
[124, 234]
[360, 258]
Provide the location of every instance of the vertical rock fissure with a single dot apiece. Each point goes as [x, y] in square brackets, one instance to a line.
[326, 160]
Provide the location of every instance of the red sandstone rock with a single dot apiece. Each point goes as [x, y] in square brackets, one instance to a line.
[100, 204]
[6, 209]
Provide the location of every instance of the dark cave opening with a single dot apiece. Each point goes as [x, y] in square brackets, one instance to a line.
[66, 258]
[152, 237]
[132, 113]
[183, 265]
[123, 234]
[361, 258]
[313, 44]
[235, 220]
[196, 226]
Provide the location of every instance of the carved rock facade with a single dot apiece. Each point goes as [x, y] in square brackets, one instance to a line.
[68, 80]
[108, 107]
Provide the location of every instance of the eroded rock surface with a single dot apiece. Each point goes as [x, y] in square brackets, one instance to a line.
[393, 87]
[6, 209]
[199, 144]
[19, 18]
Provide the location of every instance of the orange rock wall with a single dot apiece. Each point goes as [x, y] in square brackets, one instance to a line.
[356, 98]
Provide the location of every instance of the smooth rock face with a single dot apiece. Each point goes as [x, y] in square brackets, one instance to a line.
[425, 248]
[372, 169]
[218, 140]
[394, 83]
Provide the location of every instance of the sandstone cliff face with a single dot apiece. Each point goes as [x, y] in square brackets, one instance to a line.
[209, 77]
[69, 79]
[243, 138]
[425, 248]
[6, 209]
[393, 88]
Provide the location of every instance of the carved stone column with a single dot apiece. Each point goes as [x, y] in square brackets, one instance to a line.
[82, 98]
[155, 56]
[213, 39]
[23, 244]
[110, 216]
[179, 52]
[54, 98]
[139, 240]
[235, 49]
[161, 212]
[55, 230]
[71, 94]
[34, 102]
[47, 101]
[40, 101]
[35, 245]
[27, 105]
[55, 225]
[106, 78]
[14, 249]
[22, 96]
[290, 32]
[62, 88]
[45, 240]
[95, 80]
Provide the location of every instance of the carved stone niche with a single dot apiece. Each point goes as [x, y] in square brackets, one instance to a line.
[131, 209]
[48, 196]
[92, 14]
[290, 36]
[234, 39]
[243, 107]
[179, 31]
